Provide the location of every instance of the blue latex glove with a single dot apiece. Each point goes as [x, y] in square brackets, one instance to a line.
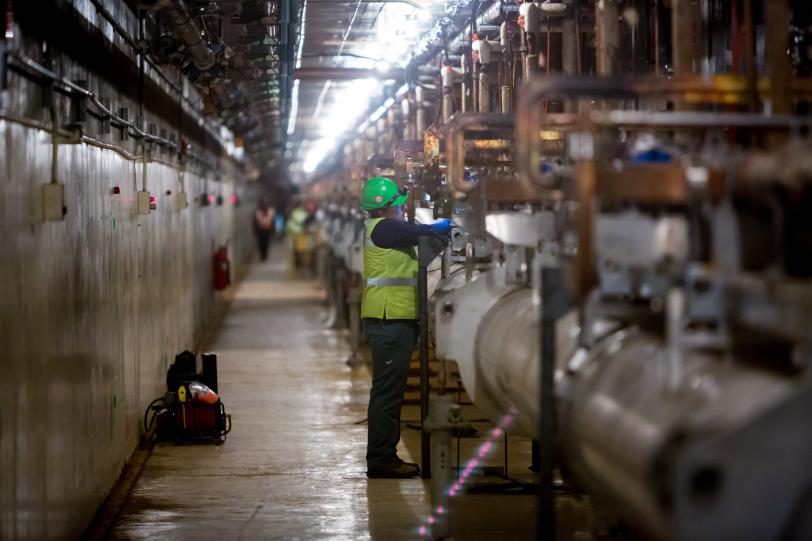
[442, 228]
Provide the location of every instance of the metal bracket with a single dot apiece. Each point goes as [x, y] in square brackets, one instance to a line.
[554, 304]
[428, 248]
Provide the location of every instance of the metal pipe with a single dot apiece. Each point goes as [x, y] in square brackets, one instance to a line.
[185, 28]
[506, 99]
[456, 127]
[484, 105]
[569, 46]
[448, 107]
[424, 247]
[607, 28]
[750, 55]
[420, 116]
[778, 17]
[530, 66]
[615, 437]
[682, 37]
[619, 435]
[553, 307]
[447, 78]
[54, 138]
[675, 322]
[691, 89]
[657, 9]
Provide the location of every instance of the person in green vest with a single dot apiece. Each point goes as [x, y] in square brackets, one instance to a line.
[301, 239]
[297, 221]
[389, 312]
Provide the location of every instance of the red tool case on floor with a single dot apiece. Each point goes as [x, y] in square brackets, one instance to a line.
[198, 420]
[191, 410]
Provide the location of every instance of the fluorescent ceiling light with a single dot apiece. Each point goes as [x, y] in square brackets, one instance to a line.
[379, 112]
[294, 107]
[317, 152]
[300, 45]
[340, 105]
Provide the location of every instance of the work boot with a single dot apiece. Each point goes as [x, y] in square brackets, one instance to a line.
[410, 464]
[393, 469]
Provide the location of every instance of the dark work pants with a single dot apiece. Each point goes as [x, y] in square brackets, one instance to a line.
[391, 343]
[263, 241]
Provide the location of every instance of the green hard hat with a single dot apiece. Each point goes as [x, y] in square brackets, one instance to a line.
[380, 192]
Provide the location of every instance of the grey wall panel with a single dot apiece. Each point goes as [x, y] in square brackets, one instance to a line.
[93, 310]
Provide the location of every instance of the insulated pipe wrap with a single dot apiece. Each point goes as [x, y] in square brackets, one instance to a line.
[181, 21]
[624, 418]
[484, 92]
[507, 357]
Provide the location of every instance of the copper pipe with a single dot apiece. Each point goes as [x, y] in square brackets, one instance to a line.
[187, 31]
[657, 37]
[586, 176]
[724, 89]
[750, 55]
[780, 70]
[456, 127]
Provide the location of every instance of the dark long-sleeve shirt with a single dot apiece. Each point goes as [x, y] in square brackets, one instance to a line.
[396, 234]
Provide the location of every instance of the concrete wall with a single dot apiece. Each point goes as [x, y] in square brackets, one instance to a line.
[92, 308]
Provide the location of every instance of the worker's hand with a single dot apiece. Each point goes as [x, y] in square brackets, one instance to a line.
[442, 227]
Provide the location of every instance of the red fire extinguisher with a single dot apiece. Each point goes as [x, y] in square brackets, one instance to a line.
[222, 269]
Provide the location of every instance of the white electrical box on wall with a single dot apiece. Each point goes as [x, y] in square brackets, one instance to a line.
[53, 202]
[182, 200]
[144, 202]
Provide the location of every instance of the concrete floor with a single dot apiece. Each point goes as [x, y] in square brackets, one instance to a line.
[293, 466]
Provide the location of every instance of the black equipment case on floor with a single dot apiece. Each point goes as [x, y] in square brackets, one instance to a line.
[189, 411]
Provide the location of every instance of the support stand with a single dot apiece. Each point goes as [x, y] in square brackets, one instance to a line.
[354, 295]
[508, 485]
[554, 304]
[445, 417]
[338, 319]
[428, 248]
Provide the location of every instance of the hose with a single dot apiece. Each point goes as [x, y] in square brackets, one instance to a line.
[149, 422]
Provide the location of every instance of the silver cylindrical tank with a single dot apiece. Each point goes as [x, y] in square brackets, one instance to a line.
[686, 457]
[507, 357]
[625, 424]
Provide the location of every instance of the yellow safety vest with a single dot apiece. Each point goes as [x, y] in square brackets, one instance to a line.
[390, 276]
[296, 221]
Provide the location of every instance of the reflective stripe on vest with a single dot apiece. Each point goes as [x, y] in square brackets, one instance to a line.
[391, 282]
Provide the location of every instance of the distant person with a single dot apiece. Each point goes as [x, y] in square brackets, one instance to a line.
[264, 221]
[300, 240]
[279, 224]
[297, 221]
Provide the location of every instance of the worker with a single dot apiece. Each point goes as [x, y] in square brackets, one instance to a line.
[264, 219]
[296, 222]
[301, 242]
[389, 312]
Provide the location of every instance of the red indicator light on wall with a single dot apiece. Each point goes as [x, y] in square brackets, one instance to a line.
[212, 198]
[116, 190]
[233, 199]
